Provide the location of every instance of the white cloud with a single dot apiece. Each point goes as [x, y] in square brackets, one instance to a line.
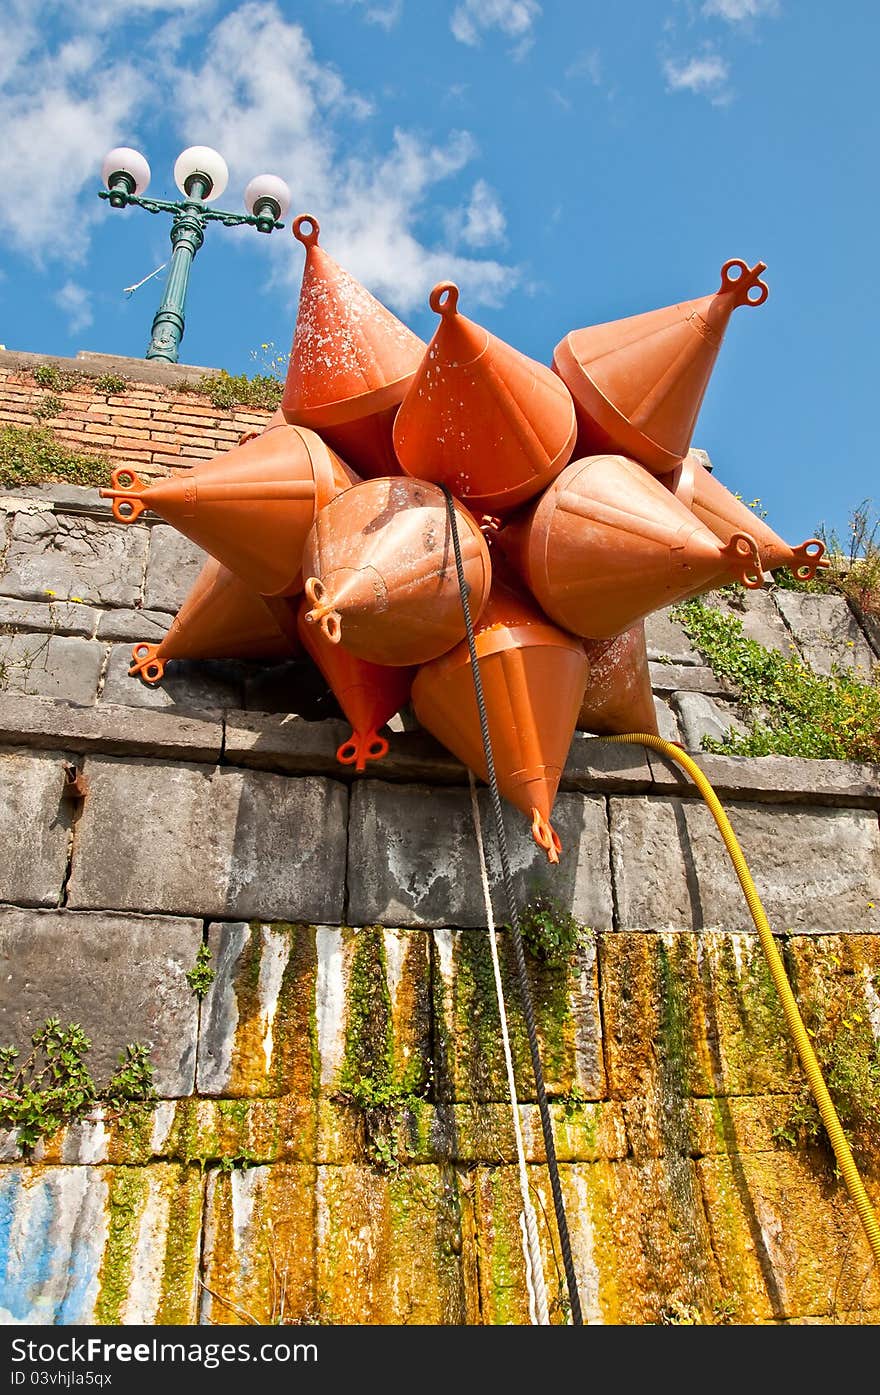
[735, 11]
[484, 221]
[74, 301]
[705, 75]
[370, 205]
[385, 14]
[513, 17]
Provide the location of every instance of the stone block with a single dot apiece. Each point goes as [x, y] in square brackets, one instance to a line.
[192, 685]
[565, 997]
[695, 678]
[826, 631]
[100, 1245]
[135, 626]
[172, 567]
[699, 716]
[40, 723]
[293, 1009]
[272, 741]
[210, 841]
[666, 640]
[57, 617]
[413, 858]
[667, 726]
[814, 868]
[121, 977]
[595, 763]
[49, 665]
[58, 555]
[775, 779]
[760, 617]
[35, 823]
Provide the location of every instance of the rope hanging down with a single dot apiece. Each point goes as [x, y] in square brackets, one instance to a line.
[535, 1276]
[516, 934]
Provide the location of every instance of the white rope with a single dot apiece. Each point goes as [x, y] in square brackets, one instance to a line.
[528, 1221]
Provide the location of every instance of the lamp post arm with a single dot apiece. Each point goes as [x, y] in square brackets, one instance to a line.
[119, 198]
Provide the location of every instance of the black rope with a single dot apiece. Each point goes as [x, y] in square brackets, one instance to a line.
[516, 933]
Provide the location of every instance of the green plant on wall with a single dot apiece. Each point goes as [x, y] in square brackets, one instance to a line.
[793, 711]
[201, 975]
[33, 455]
[225, 390]
[53, 1086]
[549, 930]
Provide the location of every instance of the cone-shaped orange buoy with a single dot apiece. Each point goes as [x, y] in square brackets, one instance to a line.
[619, 698]
[379, 568]
[481, 417]
[351, 361]
[369, 694]
[251, 507]
[607, 543]
[533, 678]
[638, 383]
[723, 513]
[221, 618]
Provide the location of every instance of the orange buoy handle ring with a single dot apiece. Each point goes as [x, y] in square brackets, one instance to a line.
[545, 836]
[443, 300]
[146, 664]
[127, 503]
[748, 280]
[308, 239]
[742, 548]
[360, 747]
[811, 559]
[322, 612]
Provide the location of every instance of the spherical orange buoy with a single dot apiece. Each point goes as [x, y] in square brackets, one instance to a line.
[619, 697]
[380, 571]
[533, 677]
[251, 507]
[607, 543]
[480, 417]
[369, 694]
[723, 513]
[638, 383]
[221, 618]
[351, 361]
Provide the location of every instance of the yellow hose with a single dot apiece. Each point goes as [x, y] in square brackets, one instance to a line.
[844, 1157]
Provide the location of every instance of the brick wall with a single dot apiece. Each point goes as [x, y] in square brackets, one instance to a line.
[154, 425]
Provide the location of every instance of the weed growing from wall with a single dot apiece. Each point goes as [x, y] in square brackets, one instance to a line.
[201, 975]
[34, 455]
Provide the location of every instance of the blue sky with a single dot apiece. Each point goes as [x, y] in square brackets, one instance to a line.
[565, 162]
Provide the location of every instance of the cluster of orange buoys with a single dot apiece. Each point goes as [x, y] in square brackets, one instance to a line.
[580, 509]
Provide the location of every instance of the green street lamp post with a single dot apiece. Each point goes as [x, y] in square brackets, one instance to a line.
[201, 175]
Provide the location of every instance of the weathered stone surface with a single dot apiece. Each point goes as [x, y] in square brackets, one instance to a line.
[272, 741]
[121, 977]
[667, 726]
[412, 857]
[666, 640]
[688, 678]
[789, 1243]
[106, 1245]
[814, 868]
[775, 779]
[40, 723]
[596, 763]
[136, 626]
[760, 617]
[57, 555]
[565, 998]
[35, 823]
[221, 842]
[700, 716]
[826, 631]
[294, 1009]
[206, 685]
[58, 617]
[173, 565]
[871, 624]
[48, 665]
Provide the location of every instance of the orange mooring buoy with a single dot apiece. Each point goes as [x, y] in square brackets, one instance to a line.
[607, 543]
[380, 571]
[369, 694]
[533, 677]
[638, 383]
[725, 514]
[221, 618]
[351, 361]
[481, 417]
[619, 697]
[251, 507]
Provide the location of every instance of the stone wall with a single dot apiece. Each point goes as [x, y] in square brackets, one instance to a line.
[333, 1139]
